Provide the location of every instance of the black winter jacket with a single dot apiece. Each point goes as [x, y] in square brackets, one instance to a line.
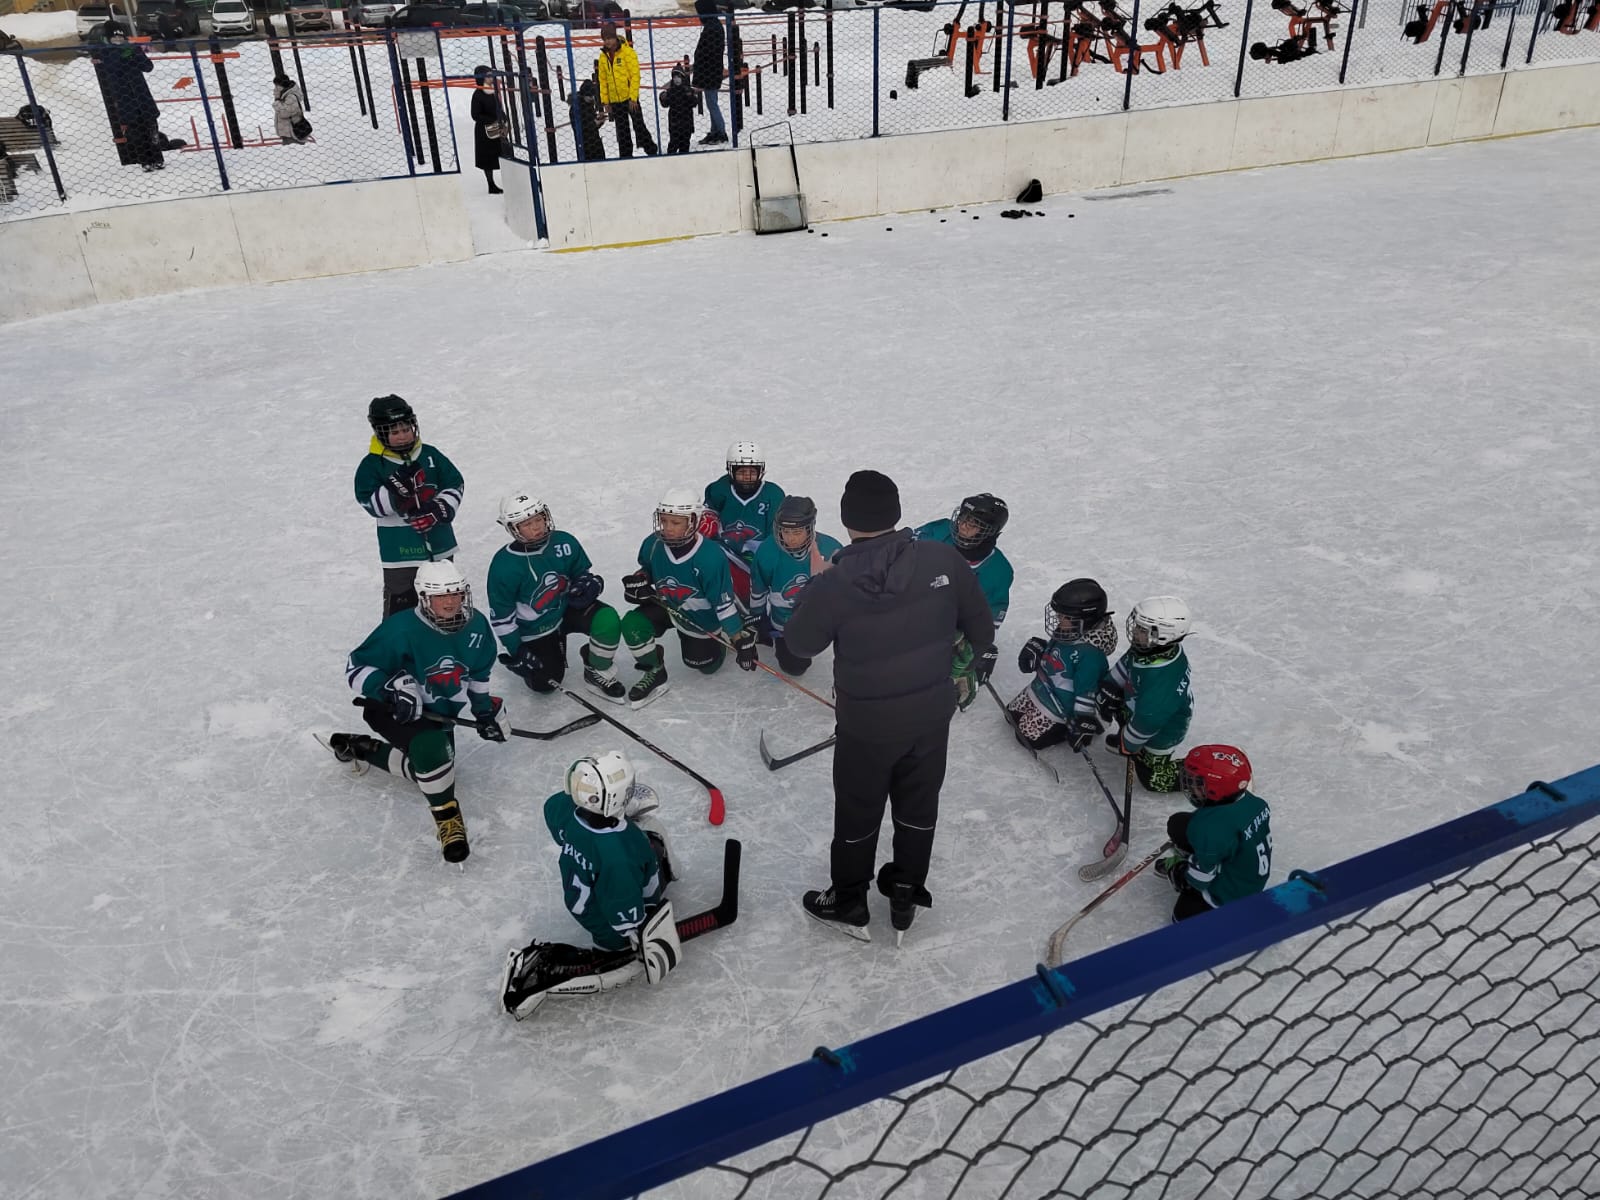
[892, 608]
[710, 52]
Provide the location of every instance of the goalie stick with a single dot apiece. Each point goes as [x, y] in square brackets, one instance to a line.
[774, 764]
[536, 735]
[718, 808]
[1053, 957]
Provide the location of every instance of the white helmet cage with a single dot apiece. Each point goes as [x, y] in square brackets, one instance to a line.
[442, 579]
[679, 502]
[517, 508]
[1158, 622]
[747, 454]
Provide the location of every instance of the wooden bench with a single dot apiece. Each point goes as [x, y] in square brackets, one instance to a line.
[19, 136]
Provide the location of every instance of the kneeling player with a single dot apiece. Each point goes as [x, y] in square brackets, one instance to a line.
[745, 503]
[432, 659]
[1067, 665]
[614, 873]
[781, 570]
[682, 581]
[1224, 849]
[541, 589]
[1147, 691]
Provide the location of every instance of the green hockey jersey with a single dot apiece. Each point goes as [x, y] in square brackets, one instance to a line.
[1067, 678]
[610, 878]
[695, 589]
[1232, 848]
[777, 577]
[745, 523]
[528, 589]
[453, 668]
[993, 570]
[1159, 698]
[398, 544]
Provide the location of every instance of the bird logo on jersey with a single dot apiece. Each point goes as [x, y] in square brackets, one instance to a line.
[796, 586]
[739, 533]
[554, 586]
[673, 592]
[446, 677]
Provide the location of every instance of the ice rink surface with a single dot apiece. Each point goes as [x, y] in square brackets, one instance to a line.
[1347, 411]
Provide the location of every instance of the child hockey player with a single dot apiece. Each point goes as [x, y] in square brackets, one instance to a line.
[436, 659]
[1067, 665]
[781, 570]
[682, 580]
[973, 529]
[614, 874]
[680, 100]
[1147, 691]
[413, 491]
[541, 589]
[744, 502]
[1224, 849]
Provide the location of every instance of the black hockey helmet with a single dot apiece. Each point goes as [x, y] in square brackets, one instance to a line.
[1077, 605]
[386, 412]
[988, 512]
[797, 512]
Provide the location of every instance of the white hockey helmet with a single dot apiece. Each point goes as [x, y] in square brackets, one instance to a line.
[679, 502]
[517, 508]
[1157, 622]
[601, 784]
[746, 454]
[435, 579]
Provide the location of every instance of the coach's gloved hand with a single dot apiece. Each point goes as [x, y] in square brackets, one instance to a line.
[403, 694]
[744, 649]
[636, 588]
[1028, 656]
[492, 723]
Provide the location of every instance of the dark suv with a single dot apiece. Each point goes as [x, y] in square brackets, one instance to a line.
[168, 18]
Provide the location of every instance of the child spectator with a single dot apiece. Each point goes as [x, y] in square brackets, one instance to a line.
[680, 101]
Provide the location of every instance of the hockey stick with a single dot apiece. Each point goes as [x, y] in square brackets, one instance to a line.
[536, 735]
[777, 674]
[727, 910]
[1116, 847]
[1054, 774]
[718, 809]
[1058, 938]
[774, 764]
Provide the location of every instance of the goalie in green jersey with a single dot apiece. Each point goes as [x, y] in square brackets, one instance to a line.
[541, 590]
[1147, 691]
[1223, 850]
[614, 873]
[415, 673]
[683, 583]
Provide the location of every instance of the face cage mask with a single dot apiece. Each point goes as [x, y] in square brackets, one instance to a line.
[453, 624]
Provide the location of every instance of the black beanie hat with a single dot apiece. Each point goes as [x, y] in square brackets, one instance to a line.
[871, 503]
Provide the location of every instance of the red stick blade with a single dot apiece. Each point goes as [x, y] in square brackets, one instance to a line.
[718, 809]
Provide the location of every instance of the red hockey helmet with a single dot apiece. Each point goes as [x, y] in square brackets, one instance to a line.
[1214, 774]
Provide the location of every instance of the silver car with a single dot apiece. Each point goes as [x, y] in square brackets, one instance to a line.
[374, 13]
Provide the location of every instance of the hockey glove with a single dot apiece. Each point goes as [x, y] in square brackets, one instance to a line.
[1081, 732]
[764, 633]
[403, 694]
[636, 588]
[983, 664]
[430, 513]
[530, 665]
[1110, 705]
[585, 590]
[1173, 866]
[1028, 656]
[403, 486]
[492, 723]
[744, 649]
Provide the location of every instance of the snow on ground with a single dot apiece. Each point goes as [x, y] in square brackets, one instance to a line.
[34, 28]
[1344, 409]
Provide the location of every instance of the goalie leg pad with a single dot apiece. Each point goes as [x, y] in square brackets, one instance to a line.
[543, 969]
[659, 945]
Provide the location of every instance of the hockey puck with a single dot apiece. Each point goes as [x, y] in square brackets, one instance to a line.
[1071, 215]
[888, 228]
[824, 235]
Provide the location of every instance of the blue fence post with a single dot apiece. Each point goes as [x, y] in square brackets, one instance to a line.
[650, 42]
[1533, 36]
[576, 115]
[1134, 55]
[1244, 41]
[877, 46]
[734, 121]
[1011, 41]
[46, 132]
[211, 121]
[1349, 36]
[444, 95]
[399, 106]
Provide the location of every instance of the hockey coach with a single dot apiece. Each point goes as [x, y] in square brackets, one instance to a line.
[893, 609]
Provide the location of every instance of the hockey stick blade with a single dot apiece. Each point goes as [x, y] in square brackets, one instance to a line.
[1053, 956]
[775, 764]
[1116, 850]
[727, 910]
[536, 735]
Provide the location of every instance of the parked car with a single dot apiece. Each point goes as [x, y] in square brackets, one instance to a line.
[498, 14]
[430, 14]
[92, 17]
[373, 13]
[232, 17]
[309, 16]
[176, 14]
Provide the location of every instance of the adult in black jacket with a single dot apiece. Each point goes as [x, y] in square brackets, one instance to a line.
[710, 63]
[121, 68]
[487, 114]
[892, 607]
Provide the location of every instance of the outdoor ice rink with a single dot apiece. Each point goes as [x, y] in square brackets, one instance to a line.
[1346, 410]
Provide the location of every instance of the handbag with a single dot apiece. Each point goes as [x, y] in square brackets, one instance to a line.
[495, 130]
[301, 127]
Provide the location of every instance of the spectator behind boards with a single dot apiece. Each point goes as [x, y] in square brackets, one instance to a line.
[710, 64]
[618, 72]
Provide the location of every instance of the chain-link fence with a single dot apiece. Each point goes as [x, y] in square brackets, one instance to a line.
[136, 121]
[119, 120]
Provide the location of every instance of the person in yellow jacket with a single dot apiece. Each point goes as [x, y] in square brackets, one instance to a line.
[617, 70]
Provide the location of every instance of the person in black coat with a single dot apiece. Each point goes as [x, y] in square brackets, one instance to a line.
[122, 68]
[710, 66]
[680, 101]
[893, 608]
[487, 114]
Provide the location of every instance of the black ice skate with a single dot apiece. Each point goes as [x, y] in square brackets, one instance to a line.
[652, 685]
[355, 750]
[602, 683]
[847, 914]
[904, 899]
[452, 830]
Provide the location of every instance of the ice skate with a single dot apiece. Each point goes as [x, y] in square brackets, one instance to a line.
[652, 685]
[352, 749]
[848, 915]
[452, 830]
